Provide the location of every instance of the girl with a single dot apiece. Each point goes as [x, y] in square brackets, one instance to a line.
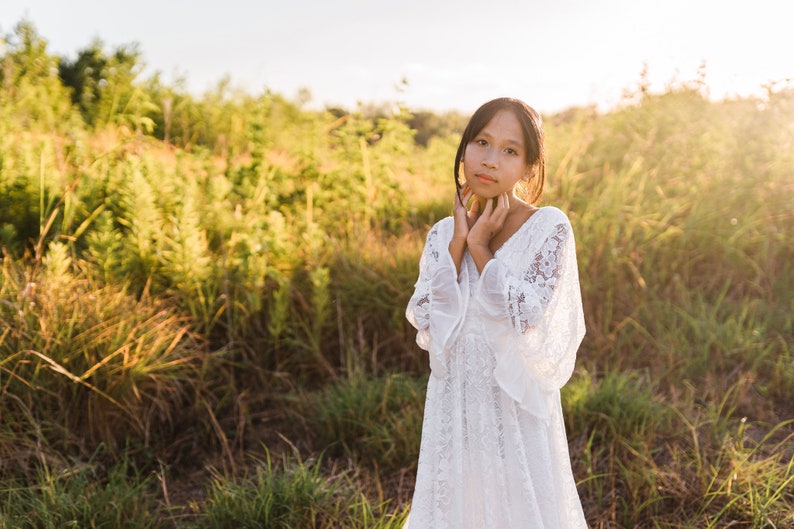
[498, 308]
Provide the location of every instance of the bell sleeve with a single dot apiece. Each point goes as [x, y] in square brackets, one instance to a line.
[534, 320]
[437, 305]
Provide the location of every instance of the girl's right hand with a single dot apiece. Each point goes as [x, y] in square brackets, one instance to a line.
[464, 219]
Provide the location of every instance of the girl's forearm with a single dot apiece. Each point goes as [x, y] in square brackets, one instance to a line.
[457, 246]
[481, 254]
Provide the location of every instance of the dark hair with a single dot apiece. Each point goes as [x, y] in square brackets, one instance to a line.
[531, 128]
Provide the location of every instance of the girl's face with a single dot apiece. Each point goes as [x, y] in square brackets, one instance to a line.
[494, 161]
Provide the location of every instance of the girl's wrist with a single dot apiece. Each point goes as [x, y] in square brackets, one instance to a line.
[473, 241]
[458, 243]
[481, 253]
[481, 247]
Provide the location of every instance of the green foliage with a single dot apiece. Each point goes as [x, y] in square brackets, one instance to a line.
[620, 406]
[167, 257]
[661, 206]
[19, 222]
[296, 494]
[104, 89]
[430, 125]
[31, 95]
[299, 497]
[369, 277]
[377, 421]
[745, 479]
[80, 497]
[87, 364]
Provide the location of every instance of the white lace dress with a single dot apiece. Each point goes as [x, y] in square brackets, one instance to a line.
[494, 454]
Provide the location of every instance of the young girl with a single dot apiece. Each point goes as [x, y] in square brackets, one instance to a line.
[498, 308]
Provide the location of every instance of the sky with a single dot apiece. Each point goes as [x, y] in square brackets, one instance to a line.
[434, 54]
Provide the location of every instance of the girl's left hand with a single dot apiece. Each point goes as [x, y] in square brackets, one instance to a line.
[489, 222]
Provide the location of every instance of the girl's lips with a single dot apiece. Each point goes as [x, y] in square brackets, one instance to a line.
[485, 179]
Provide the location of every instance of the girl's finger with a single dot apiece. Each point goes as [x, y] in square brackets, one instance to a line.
[467, 196]
[489, 206]
[475, 208]
[460, 198]
[505, 203]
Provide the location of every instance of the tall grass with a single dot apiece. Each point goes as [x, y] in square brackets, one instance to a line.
[375, 421]
[81, 496]
[83, 364]
[176, 306]
[293, 494]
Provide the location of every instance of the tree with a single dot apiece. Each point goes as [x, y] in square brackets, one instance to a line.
[84, 77]
[31, 94]
[105, 88]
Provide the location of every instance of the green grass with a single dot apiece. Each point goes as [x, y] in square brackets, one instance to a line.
[225, 310]
[376, 421]
[83, 495]
[292, 494]
[84, 364]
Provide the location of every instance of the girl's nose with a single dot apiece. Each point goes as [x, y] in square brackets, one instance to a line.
[488, 162]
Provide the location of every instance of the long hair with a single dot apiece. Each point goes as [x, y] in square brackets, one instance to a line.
[531, 128]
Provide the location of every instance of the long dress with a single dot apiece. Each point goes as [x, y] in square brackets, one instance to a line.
[501, 344]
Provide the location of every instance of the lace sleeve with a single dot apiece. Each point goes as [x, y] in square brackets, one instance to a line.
[436, 307]
[528, 297]
[534, 319]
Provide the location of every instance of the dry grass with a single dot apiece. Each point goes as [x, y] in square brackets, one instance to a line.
[229, 321]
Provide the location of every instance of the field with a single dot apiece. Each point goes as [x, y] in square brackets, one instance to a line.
[202, 298]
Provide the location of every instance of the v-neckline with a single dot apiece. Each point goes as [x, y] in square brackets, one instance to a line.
[519, 230]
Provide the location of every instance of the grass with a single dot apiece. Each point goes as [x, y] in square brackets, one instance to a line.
[85, 364]
[375, 421]
[83, 495]
[299, 497]
[213, 335]
[293, 494]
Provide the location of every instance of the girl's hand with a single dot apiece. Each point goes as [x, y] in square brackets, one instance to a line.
[489, 223]
[463, 219]
[463, 222]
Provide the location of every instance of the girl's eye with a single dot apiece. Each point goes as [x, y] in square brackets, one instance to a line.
[482, 142]
[511, 151]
